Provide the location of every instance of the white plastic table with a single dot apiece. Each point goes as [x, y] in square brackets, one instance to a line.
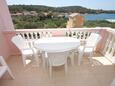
[57, 44]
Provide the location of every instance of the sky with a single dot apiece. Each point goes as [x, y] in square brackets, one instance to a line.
[92, 4]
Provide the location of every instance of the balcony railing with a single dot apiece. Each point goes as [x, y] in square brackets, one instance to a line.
[79, 33]
[106, 46]
[109, 48]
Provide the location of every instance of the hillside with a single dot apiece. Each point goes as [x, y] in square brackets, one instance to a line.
[37, 16]
[41, 8]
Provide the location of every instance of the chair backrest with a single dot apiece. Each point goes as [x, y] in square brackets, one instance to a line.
[57, 58]
[93, 39]
[20, 42]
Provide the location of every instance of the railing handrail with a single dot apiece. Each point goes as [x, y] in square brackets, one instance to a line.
[111, 30]
[55, 29]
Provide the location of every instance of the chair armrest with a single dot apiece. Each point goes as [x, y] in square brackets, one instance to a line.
[26, 49]
[28, 42]
[2, 70]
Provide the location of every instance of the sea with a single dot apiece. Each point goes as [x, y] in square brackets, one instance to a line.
[102, 16]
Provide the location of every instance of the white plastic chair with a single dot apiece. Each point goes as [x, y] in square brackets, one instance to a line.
[89, 46]
[4, 68]
[113, 82]
[71, 56]
[24, 48]
[57, 59]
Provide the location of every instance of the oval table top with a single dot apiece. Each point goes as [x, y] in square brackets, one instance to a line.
[57, 44]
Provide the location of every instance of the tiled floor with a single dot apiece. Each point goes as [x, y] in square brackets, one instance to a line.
[100, 74]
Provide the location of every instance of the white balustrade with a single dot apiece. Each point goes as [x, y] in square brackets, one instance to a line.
[33, 34]
[109, 49]
[79, 33]
[82, 35]
[40, 33]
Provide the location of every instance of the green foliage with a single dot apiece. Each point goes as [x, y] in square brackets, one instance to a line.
[47, 21]
[50, 25]
[99, 23]
[28, 22]
[67, 9]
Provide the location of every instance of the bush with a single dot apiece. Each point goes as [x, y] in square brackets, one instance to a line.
[99, 23]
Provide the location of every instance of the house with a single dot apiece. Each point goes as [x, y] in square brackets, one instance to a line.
[26, 13]
[75, 21]
[17, 14]
[34, 13]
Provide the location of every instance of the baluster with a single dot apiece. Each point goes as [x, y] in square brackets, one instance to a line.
[25, 36]
[35, 34]
[32, 36]
[67, 33]
[72, 33]
[107, 44]
[109, 47]
[89, 33]
[51, 34]
[113, 53]
[29, 36]
[43, 34]
[112, 50]
[112, 47]
[81, 35]
[76, 33]
[84, 35]
[21, 35]
[46, 34]
[39, 35]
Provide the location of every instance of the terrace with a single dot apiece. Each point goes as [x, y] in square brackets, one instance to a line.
[101, 74]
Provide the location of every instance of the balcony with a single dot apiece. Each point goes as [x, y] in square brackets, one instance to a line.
[101, 74]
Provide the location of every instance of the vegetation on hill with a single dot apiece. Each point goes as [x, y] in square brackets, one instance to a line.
[29, 22]
[67, 9]
[99, 23]
[51, 17]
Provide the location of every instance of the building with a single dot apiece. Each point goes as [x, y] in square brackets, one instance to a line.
[34, 13]
[75, 20]
[17, 14]
[25, 13]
